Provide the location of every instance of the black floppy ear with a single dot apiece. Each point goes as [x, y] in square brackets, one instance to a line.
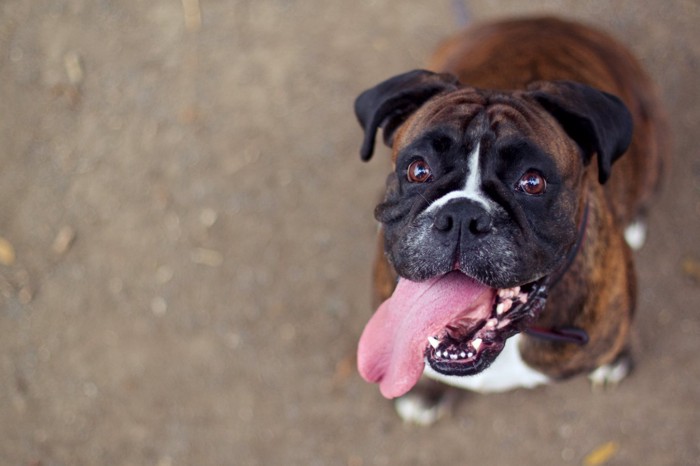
[391, 102]
[599, 122]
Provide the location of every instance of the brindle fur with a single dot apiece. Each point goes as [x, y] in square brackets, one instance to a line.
[598, 291]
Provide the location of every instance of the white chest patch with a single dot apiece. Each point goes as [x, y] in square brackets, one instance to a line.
[471, 189]
[507, 372]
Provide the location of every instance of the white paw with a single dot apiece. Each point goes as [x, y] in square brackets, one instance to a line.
[414, 408]
[636, 234]
[610, 375]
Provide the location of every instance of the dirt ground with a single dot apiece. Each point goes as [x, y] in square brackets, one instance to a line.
[186, 233]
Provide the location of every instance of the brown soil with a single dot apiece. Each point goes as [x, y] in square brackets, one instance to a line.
[188, 234]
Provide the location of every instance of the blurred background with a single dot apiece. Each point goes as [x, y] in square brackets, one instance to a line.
[186, 234]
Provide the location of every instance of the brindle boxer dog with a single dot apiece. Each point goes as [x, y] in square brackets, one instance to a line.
[518, 170]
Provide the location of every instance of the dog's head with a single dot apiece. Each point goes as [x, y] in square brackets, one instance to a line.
[487, 185]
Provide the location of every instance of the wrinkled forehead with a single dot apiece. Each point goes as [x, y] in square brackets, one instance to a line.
[477, 114]
[458, 111]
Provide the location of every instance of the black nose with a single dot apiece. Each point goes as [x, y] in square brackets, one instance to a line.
[463, 215]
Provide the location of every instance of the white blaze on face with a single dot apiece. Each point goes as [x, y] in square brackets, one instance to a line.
[472, 187]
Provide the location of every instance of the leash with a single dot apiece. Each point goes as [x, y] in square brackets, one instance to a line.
[462, 14]
[565, 334]
[559, 334]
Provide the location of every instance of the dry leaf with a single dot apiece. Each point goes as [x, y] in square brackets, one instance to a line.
[193, 15]
[74, 68]
[601, 455]
[7, 252]
[691, 268]
[344, 369]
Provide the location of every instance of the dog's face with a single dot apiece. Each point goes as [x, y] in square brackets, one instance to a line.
[488, 184]
[484, 183]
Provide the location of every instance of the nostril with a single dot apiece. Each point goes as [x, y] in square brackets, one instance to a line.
[480, 224]
[444, 222]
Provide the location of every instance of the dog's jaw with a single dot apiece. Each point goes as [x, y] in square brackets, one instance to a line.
[458, 324]
[507, 372]
[464, 348]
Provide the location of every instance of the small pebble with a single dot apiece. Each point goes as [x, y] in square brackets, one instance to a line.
[208, 257]
[63, 241]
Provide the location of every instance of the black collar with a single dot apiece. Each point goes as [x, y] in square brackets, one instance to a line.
[565, 334]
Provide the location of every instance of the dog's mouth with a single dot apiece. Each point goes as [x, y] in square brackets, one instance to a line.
[467, 346]
[452, 322]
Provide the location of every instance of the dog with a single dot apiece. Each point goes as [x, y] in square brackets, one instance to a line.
[524, 164]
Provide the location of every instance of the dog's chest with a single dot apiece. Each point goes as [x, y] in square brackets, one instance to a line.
[507, 372]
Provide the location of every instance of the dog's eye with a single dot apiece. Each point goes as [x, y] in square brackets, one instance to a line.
[532, 183]
[419, 172]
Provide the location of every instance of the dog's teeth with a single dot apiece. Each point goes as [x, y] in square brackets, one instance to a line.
[508, 292]
[504, 306]
[522, 297]
[434, 342]
[470, 355]
[503, 323]
[491, 323]
[462, 355]
[477, 344]
[453, 356]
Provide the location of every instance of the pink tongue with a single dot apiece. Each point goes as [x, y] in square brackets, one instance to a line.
[392, 346]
